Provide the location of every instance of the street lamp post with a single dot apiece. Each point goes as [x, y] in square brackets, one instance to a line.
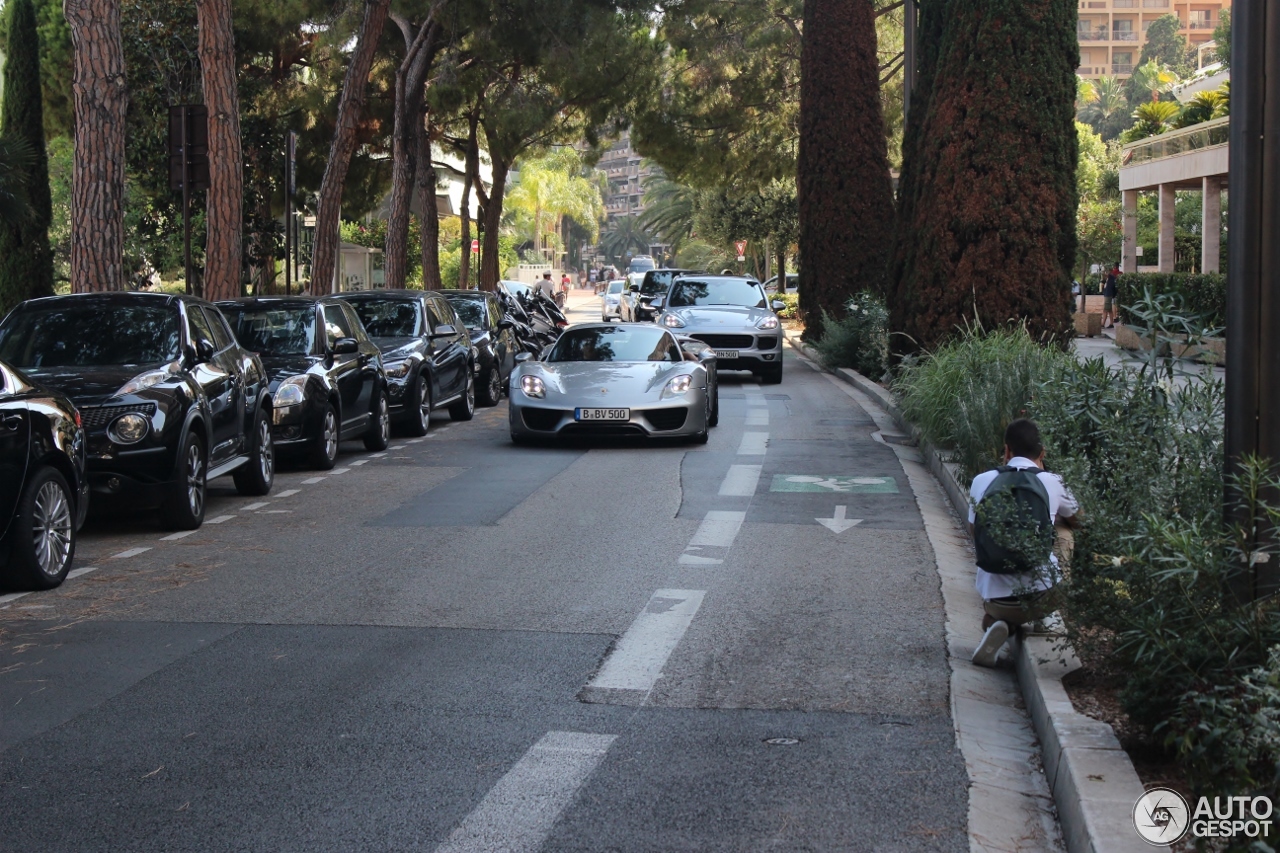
[1253, 301]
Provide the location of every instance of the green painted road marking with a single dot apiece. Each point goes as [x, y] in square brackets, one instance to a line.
[845, 485]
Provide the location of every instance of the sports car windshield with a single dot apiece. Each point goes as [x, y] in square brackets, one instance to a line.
[728, 291]
[620, 343]
[90, 336]
[388, 318]
[274, 331]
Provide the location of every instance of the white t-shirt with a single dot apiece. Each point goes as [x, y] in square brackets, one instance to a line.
[1062, 504]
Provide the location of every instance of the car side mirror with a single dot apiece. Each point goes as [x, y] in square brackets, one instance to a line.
[634, 288]
[203, 352]
[444, 330]
[522, 357]
[345, 346]
[657, 302]
[778, 305]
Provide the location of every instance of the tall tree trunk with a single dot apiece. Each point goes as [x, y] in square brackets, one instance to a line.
[225, 207]
[490, 261]
[993, 234]
[425, 185]
[97, 182]
[26, 263]
[842, 170]
[470, 161]
[350, 107]
[419, 53]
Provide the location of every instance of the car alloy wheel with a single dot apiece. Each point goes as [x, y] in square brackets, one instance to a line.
[195, 480]
[51, 529]
[495, 385]
[384, 420]
[329, 435]
[266, 451]
[424, 404]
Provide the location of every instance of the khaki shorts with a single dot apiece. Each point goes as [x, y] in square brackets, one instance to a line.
[1022, 609]
[1108, 304]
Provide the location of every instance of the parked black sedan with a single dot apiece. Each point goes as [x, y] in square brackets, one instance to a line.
[326, 377]
[495, 344]
[429, 358]
[168, 398]
[44, 490]
[635, 305]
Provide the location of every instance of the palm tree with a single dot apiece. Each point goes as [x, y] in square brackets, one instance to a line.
[1108, 101]
[1202, 107]
[1155, 77]
[552, 188]
[626, 235]
[1151, 118]
[668, 213]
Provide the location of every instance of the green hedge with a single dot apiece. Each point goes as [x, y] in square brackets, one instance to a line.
[1203, 293]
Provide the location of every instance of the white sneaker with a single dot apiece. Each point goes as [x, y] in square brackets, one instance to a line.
[992, 642]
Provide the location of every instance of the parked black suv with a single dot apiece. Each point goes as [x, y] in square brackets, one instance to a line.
[637, 309]
[44, 492]
[430, 362]
[325, 374]
[168, 398]
[491, 335]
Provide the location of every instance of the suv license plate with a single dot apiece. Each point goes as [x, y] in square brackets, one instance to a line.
[727, 354]
[602, 414]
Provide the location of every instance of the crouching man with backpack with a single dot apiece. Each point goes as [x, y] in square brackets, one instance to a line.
[1012, 511]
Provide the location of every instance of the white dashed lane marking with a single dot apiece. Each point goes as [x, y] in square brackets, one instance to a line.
[132, 552]
[218, 519]
[753, 444]
[259, 505]
[757, 417]
[718, 529]
[741, 481]
[637, 660]
[311, 481]
[287, 493]
[174, 537]
[337, 471]
[75, 573]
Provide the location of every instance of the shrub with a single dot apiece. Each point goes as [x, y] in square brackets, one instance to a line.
[859, 339]
[1203, 293]
[792, 300]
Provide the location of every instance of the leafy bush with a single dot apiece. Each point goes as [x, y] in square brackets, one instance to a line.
[792, 300]
[859, 339]
[1204, 293]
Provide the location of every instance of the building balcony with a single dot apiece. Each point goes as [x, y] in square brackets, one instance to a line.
[1124, 35]
[1198, 137]
[1121, 68]
[1124, 4]
[1203, 24]
[1092, 34]
[1155, 4]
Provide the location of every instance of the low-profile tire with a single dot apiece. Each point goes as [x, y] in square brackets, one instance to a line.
[379, 435]
[324, 450]
[419, 418]
[465, 409]
[701, 436]
[256, 476]
[519, 440]
[771, 375]
[186, 497]
[43, 532]
[491, 388]
[715, 411]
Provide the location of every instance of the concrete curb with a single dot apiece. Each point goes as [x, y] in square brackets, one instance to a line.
[1092, 778]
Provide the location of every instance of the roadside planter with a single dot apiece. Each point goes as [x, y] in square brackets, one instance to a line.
[1209, 350]
[1088, 325]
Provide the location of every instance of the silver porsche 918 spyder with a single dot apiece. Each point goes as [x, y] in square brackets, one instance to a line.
[602, 379]
[732, 315]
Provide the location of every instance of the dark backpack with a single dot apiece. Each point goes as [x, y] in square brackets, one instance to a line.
[1012, 530]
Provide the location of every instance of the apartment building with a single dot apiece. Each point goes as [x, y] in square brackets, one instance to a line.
[1112, 32]
[626, 176]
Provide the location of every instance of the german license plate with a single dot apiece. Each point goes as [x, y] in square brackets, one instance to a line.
[726, 353]
[602, 414]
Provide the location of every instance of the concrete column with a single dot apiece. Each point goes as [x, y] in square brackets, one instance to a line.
[1129, 257]
[1167, 199]
[1211, 223]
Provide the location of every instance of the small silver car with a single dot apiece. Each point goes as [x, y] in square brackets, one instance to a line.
[606, 379]
[610, 299]
[733, 316]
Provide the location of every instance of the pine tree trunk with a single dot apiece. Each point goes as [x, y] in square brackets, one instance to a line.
[225, 207]
[471, 159]
[420, 52]
[350, 108]
[992, 236]
[97, 183]
[842, 170]
[26, 262]
[425, 184]
[490, 261]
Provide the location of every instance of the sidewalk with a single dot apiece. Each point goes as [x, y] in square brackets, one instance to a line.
[1106, 348]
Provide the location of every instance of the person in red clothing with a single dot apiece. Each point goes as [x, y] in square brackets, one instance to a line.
[564, 282]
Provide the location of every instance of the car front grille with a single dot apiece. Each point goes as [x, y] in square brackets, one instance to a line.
[544, 420]
[667, 419]
[97, 417]
[767, 342]
[726, 341]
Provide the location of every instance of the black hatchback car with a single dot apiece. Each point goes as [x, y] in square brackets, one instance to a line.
[427, 351]
[44, 492]
[491, 335]
[168, 398]
[326, 377]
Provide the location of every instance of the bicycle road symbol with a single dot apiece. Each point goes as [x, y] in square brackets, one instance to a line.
[835, 485]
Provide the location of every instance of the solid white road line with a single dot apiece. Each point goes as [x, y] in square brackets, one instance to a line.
[259, 505]
[718, 529]
[218, 519]
[287, 493]
[753, 444]
[741, 481]
[519, 811]
[311, 481]
[637, 660]
[174, 537]
[75, 573]
[132, 552]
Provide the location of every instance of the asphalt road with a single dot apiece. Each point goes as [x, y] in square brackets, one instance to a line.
[461, 645]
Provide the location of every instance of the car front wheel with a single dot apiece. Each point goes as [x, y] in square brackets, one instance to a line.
[379, 434]
[184, 504]
[419, 420]
[464, 409]
[491, 388]
[44, 532]
[256, 476]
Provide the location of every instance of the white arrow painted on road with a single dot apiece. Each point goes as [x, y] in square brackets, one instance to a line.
[838, 523]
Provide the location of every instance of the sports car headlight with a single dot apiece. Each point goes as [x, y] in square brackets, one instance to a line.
[770, 322]
[671, 321]
[534, 387]
[128, 429]
[143, 381]
[290, 392]
[398, 369]
[678, 384]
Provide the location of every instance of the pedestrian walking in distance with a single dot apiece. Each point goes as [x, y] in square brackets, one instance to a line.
[1109, 298]
[1012, 512]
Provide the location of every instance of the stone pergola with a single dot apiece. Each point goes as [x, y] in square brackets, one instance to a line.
[1194, 158]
